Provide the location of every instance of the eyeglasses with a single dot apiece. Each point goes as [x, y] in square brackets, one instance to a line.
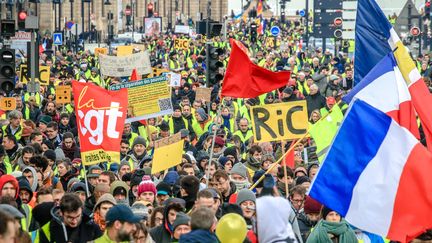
[297, 201]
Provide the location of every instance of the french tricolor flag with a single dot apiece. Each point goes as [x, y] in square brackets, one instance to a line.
[384, 88]
[375, 38]
[377, 175]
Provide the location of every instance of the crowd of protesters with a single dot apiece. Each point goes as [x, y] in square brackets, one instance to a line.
[47, 195]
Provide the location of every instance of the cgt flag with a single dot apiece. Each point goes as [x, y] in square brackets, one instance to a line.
[100, 121]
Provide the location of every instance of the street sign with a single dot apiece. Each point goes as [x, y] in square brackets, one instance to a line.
[338, 22]
[69, 25]
[275, 30]
[415, 31]
[58, 38]
[302, 12]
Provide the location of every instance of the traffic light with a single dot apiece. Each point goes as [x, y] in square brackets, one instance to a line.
[427, 10]
[150, 9]
[22, 15]
[7, 70]
[214, 65]
[253, 32]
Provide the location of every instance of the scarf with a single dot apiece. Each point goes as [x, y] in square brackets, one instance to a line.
[99, 220]
[226, 121]
[341, 230]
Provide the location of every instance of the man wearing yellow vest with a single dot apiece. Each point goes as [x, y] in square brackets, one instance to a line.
[201, 123]
[69, 223]
[14, 127]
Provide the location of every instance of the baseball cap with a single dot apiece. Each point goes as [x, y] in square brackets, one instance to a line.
[121, 213]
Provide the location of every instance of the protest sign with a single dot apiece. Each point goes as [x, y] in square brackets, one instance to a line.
[124, 50]
[175, 79]
[42, 77]
[100, 50]
[100, 121]
[7, 104]
[63, 94]
[147, 98]
[203, 93]
[167, 156]
[167, 141]
[182, 29]
[181, 44]
[123, 66]
[279, 121]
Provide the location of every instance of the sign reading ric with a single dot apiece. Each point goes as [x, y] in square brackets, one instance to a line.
[181, 44]
[279, 121]
[42, 77]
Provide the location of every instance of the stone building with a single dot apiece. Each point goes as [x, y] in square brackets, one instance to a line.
[97, 12]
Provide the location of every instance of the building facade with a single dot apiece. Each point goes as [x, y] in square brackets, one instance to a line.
[54, 16]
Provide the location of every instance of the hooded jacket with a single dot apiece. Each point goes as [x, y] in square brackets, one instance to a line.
[274, 211]
[35, 181]
[86, 231]
[9, 178]
[122, 184]
[164, 232]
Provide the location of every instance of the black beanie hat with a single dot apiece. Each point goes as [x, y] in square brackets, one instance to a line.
[325, 211]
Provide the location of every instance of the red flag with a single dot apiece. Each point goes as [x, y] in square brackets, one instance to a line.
[244, 79]
[100, 121]
[134, 75]
[289, 158]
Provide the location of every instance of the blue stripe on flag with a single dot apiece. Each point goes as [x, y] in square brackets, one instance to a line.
[355, 145]
[372, 32]
[386, 65]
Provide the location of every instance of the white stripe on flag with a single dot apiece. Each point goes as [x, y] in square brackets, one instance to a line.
[372, 202]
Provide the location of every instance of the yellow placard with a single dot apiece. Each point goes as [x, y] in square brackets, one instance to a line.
[279, 121]
[100, 50]
[147, 98]
[42, 77]
[7, 104]
[63, 94]
[181, 44]
[167, 156]
[124, 50]
[158, 72]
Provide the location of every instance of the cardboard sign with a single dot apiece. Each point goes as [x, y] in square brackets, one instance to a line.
[167, 141]
[42, 77]
[279, 121]
[203, 93]
[7, 104]
[124, 65]
[63, 94]
[103, 51]
[181, 44]
[124, 50]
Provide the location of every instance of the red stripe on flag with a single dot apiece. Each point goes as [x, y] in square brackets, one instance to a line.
[412, 212]
[406, 117]
[422, 100]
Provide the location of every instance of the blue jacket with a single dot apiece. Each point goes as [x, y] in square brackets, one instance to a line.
[199, 236]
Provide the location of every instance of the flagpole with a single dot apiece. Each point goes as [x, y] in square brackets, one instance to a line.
[218, 115]
[284, 168]
[85, 180]
[289, 150]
